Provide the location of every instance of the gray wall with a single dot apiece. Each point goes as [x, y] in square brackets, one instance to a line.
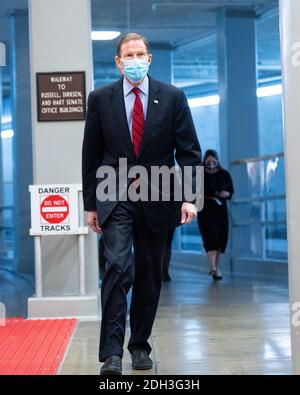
[290, 34]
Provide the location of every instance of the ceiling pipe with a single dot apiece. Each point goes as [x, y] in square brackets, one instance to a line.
[221, 3]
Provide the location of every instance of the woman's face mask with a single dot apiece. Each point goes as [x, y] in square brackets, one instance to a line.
[211, 164]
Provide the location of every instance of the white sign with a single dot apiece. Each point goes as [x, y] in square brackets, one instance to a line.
[55, 210]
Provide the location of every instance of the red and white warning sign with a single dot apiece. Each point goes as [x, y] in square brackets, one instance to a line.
[54, 209]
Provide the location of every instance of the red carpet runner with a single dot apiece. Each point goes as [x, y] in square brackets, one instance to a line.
[34, 347]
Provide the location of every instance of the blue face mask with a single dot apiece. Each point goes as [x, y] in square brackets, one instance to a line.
[135, 69]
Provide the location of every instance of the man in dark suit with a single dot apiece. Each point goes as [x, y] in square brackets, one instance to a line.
[146, 122]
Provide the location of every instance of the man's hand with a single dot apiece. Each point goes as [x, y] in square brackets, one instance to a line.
[188, 213]
[92, 221]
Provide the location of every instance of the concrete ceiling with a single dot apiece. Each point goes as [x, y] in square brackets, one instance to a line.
[187, 27]
[172, 22]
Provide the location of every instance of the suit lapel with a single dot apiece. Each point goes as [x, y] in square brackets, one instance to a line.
[120, 113]
[154, 106]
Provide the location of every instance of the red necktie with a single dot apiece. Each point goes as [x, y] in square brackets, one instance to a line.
[137, 122]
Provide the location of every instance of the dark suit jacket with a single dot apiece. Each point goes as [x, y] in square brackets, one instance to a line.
[168, 129]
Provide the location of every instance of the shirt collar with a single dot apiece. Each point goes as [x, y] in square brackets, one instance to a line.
[144, 86]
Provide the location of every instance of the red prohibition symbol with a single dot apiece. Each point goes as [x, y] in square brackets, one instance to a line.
[54, 209]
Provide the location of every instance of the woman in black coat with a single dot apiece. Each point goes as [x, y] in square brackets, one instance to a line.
[213, 219]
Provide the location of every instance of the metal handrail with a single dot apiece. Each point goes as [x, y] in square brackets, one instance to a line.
[257, 158]
[262, 223]
[258, 199]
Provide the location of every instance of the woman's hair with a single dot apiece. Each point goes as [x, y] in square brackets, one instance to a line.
[212, 152]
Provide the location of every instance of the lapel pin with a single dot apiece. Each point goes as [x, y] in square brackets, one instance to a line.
[155, 101]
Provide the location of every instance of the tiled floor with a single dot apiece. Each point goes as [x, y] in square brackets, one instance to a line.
[237, 326]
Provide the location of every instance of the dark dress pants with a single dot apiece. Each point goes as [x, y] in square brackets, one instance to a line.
[168, 252]
[127, 226]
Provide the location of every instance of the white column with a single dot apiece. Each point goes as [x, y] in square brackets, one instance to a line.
[290, 44]
[60, 40]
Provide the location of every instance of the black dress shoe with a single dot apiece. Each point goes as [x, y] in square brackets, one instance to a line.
[141, 360]
[112, 366]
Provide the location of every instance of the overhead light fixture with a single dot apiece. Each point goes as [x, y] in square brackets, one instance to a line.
[271, 90]
[204, 101]
[104, 35]
[7, 134]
